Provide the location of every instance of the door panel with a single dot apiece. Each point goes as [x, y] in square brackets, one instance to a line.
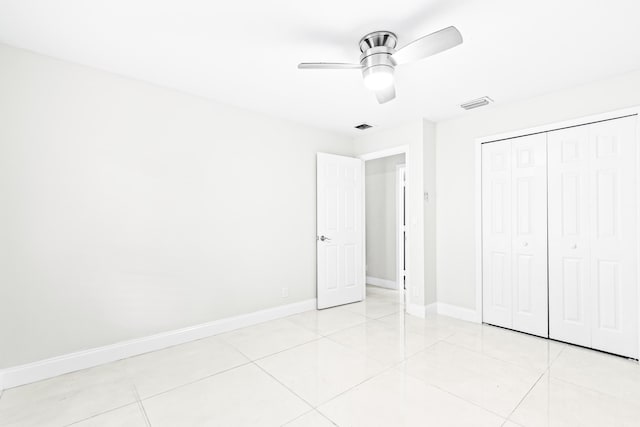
[339, 218]
[614, 230]
[593, 297]
[573, 290]
[529, 240]
[569, 292]
[496, 233]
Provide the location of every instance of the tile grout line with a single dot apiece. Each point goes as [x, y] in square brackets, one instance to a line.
[490, 356]
[283, 350]
[141, 406]
[474, 403]
[384, 371]
[307, 413]
[285, 386]
[525, 395]
[464, 399]
[397, 365]
[99, 414]
[195, 381]
[249, 361]
[546, 371]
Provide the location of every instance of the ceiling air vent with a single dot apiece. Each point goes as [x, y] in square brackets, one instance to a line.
[480, 102]
[363, 126]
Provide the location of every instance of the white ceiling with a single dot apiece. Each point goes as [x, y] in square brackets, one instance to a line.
[245, 52]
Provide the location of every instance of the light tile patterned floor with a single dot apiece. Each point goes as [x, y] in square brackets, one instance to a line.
[365, 364]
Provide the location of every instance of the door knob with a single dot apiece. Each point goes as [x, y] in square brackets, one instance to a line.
[323, 238]
[525, 244]
[574, 246]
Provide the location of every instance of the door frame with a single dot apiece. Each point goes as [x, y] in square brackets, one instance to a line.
[401, 149]
[610, 115]
[401, 205]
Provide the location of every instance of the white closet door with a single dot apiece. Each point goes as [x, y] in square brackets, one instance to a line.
[496, 234]
[593, 241]
[614, 240]
[568, 174]
[529, 239]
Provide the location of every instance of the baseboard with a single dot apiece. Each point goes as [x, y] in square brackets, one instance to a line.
[458, 312]
[32, 372]
[383, 283]
[431, 308]
[444, 310]
[416, 310]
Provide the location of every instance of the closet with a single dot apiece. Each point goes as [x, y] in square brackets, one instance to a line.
[560, 237]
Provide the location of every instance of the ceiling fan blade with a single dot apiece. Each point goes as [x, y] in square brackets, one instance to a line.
[328, 66]
[428, 45]
[386, 95]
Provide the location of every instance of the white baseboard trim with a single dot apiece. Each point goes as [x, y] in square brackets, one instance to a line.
[416, 310]
[36, 371]
[383, 283]
[431, 308]
[421, 310]
[444, 310]
[459, 312]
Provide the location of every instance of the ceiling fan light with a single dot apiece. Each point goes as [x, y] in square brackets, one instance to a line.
[378, 77]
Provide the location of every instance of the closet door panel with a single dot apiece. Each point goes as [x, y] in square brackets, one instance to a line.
[568, 229]
[529, 240]
[496, 233]
[613, 229]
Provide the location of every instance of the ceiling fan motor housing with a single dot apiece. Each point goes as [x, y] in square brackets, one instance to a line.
[377, 48]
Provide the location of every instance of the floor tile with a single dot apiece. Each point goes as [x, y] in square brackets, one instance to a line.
[443, 325]
[68, 398]
[396, 369]
[395, 399]
[320, 370]
[407, 322]
[311, 419]
[128, 416]
[555, 403]
[244, 396]
[491, 383]
[162, 370]
[328, 321]
[267, 338]
[373, 308]
[612, 375]
[522, 349]
[384, 293]
[383, 342]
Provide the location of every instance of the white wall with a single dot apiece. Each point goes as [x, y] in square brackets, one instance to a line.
[455, 157]
[381, 216]
[127, 209]
[411, 135]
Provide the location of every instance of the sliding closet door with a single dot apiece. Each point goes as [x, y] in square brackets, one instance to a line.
[614, 240]
[569, 297]
[496, 234]
[593, 297]
[529, 240]
[514, 233]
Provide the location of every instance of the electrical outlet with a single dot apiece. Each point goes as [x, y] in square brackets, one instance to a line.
[285, 292]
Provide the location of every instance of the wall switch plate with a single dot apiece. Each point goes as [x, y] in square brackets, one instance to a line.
[285, 292]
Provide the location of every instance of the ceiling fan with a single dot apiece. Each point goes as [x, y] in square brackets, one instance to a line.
[380, 57]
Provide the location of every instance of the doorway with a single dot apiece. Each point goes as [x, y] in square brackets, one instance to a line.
[385, 224]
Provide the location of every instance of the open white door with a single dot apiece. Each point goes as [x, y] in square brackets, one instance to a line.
[340, 223]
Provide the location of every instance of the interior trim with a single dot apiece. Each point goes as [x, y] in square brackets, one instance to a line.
[48, 368]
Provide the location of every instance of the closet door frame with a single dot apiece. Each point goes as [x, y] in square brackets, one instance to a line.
[616, 114]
